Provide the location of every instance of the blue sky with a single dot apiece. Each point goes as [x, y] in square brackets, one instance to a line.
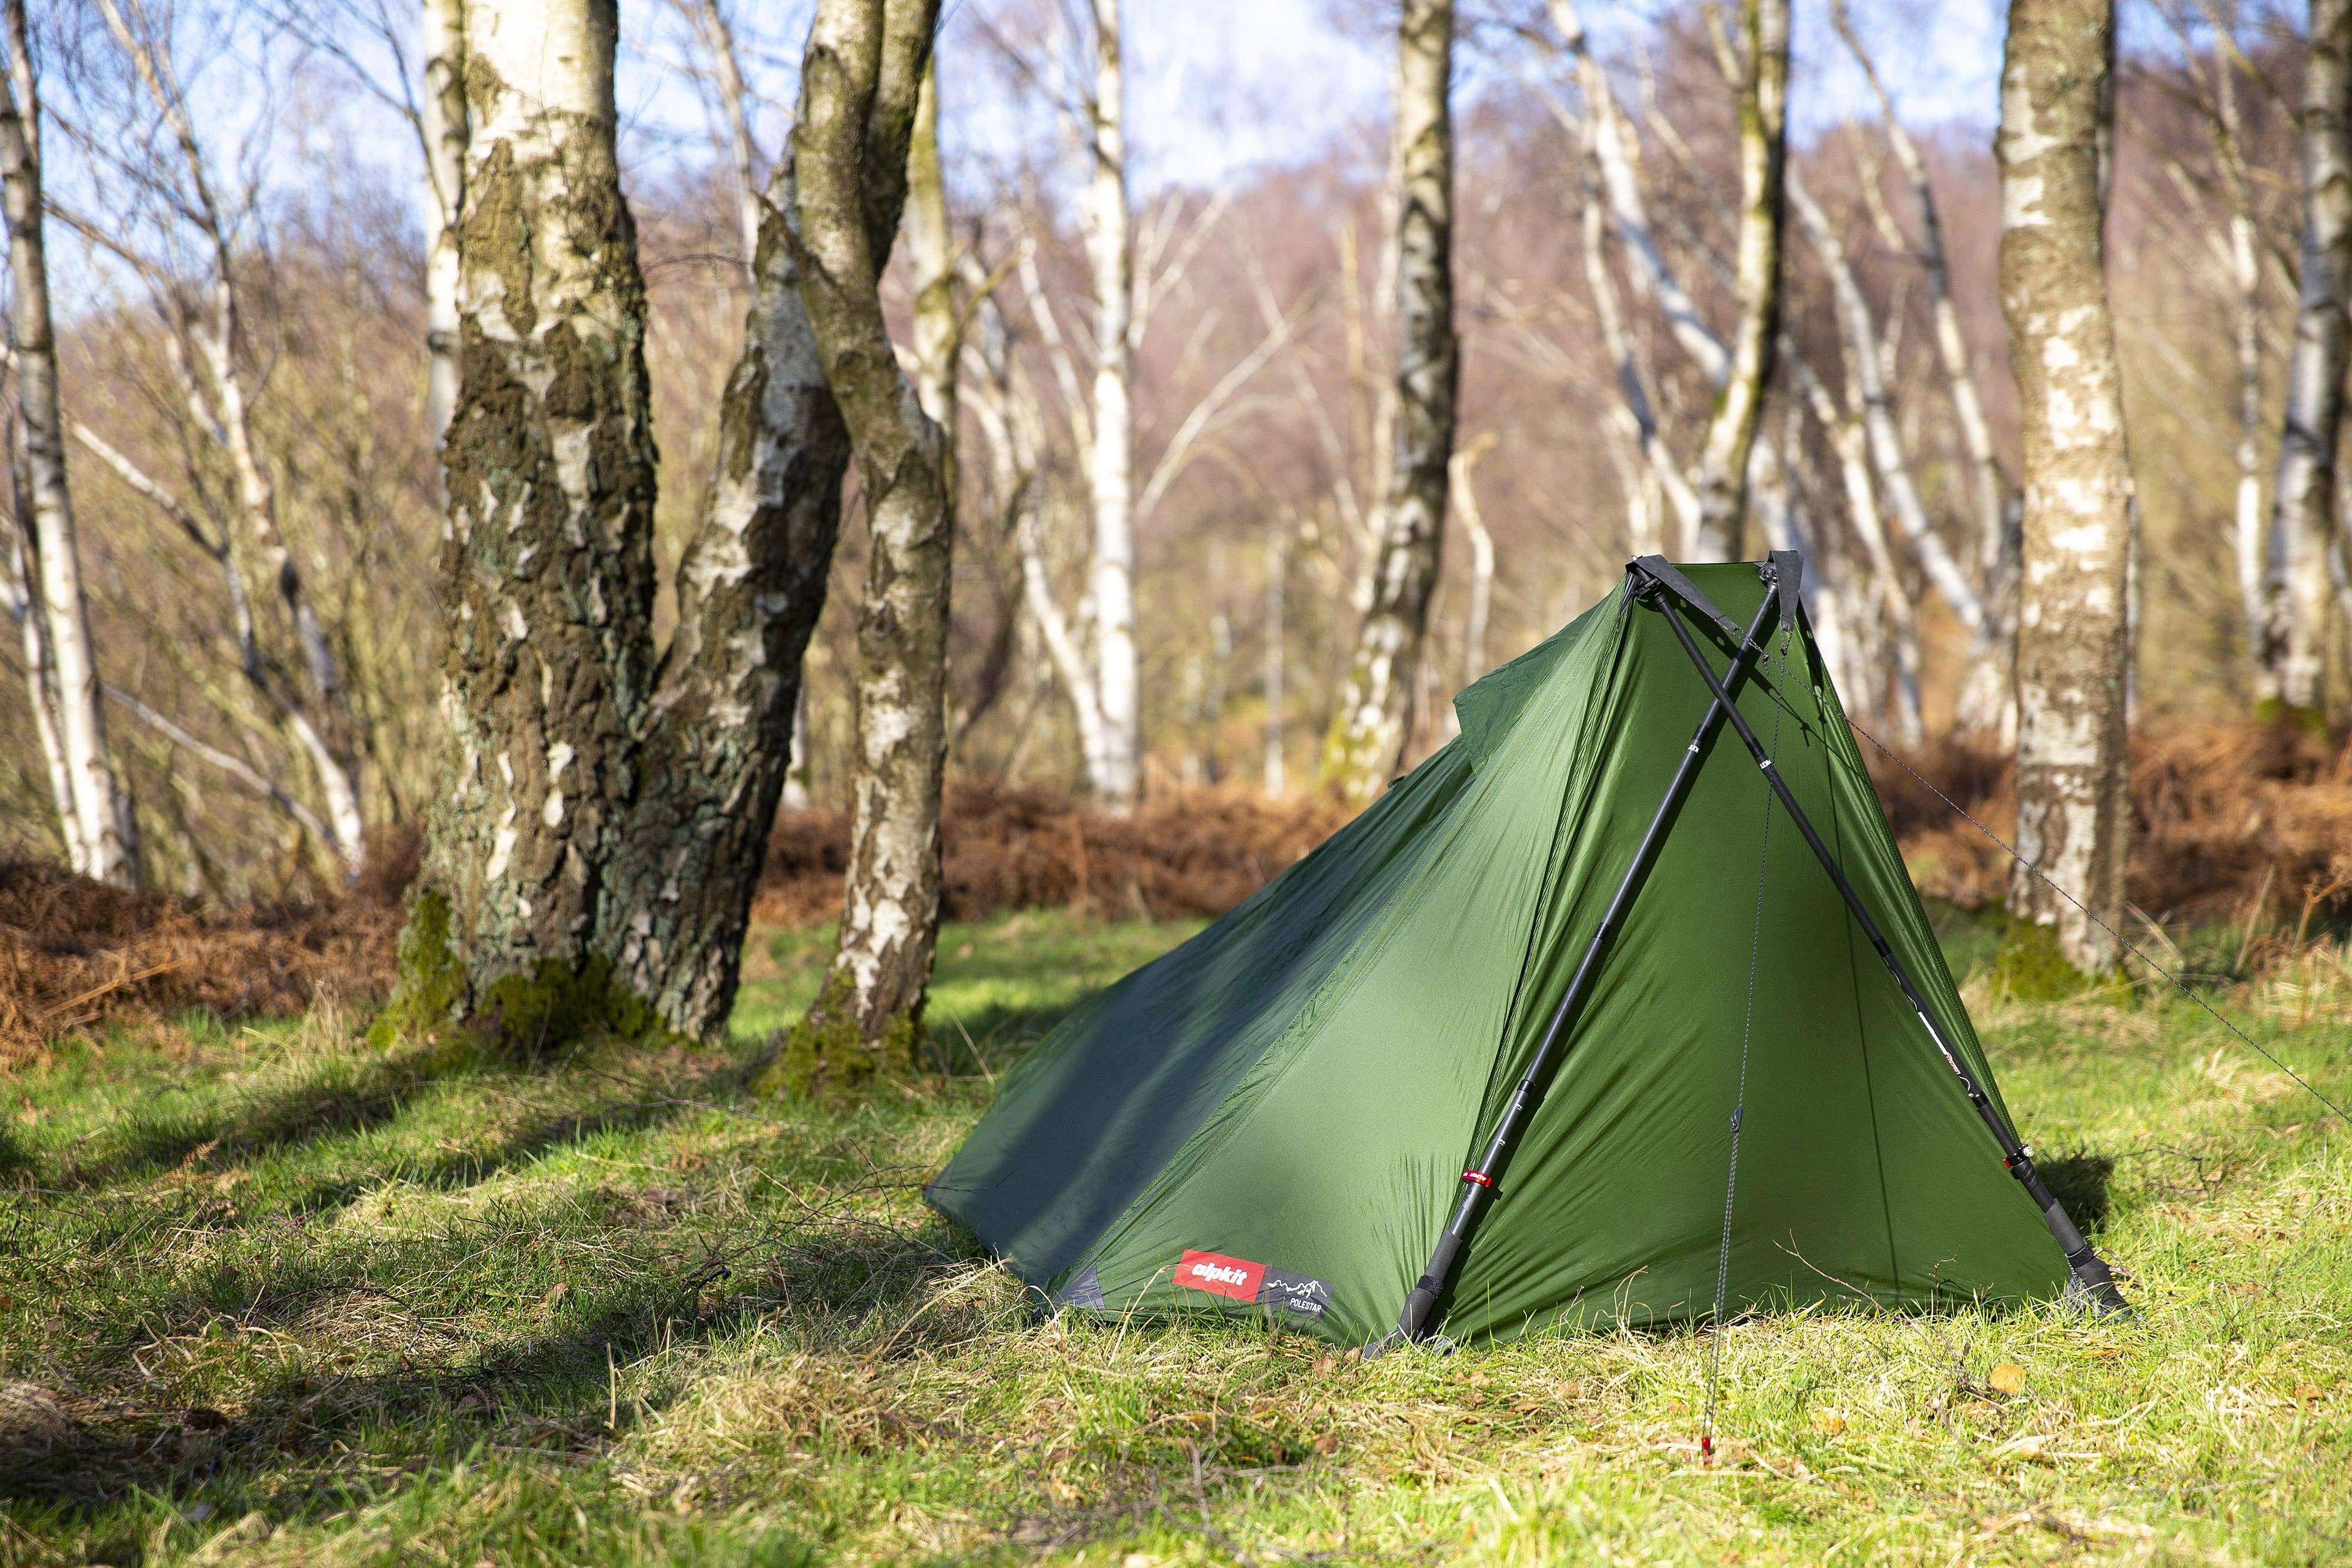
[1221, 84]
[1215, 85]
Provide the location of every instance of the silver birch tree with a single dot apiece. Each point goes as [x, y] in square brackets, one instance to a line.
[443, 128]
[2074, 644]
[861, 80]
[1111, 459]
[1762, 101]
[101, 834]
[549, 467]
[2291, 649]
[1368, 733]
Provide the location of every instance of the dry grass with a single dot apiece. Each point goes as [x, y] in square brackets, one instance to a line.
[1189, 853]
[2244, 823]
[75, 954]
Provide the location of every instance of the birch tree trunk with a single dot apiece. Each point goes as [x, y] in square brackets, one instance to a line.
[1731, 431]
[103, 832]
[1368, 734]
[718, 738]
[1115, 770]
[443, 123]
[549, 466]
[19, 586]
[2073, 632]
[860, 83]
[2292, 650]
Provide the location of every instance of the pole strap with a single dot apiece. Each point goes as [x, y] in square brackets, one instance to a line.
[1660, 571]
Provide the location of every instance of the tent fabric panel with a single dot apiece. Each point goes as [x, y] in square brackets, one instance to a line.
[1335, 1155]
[1097, 1111]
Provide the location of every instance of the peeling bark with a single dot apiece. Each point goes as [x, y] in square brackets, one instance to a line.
[102, 833]
[860, 83]
[2075, 608]
[549, 467]
[2290, 652]
[720, 733]
[1368, 732]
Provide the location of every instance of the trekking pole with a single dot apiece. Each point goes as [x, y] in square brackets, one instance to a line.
[1478, 1182]
[2092, 1280]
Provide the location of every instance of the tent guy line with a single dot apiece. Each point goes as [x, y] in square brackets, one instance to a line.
[2120, 940]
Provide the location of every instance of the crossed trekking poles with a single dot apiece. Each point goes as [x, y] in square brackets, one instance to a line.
[1656, 584]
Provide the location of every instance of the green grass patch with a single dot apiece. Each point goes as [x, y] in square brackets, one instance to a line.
[270, 1296]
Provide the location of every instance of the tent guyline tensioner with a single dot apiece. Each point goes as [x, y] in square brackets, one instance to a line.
[1651, 582]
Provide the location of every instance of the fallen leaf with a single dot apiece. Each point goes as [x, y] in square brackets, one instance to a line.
[1829, 1422]
[1325, 1364]
[2100, 1352]
[2308, 1392]
[1328, 1443]
[561, 1288]
[2008, 1377]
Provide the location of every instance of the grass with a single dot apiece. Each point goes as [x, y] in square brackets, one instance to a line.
[266, 1297]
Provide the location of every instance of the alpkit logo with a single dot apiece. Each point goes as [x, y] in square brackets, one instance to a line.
[1237, 1278]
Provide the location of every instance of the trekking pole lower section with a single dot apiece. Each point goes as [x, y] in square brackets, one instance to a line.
[1478, 1182]
[2093, 1282]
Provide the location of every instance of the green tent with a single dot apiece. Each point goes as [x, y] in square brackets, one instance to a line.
[1274, 1119]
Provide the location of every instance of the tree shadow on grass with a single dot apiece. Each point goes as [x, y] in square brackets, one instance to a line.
[371, 1093]
[311, 1441]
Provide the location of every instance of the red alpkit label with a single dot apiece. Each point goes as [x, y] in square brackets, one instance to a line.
[1220, 1275]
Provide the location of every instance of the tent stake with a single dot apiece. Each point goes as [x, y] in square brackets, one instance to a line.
[1478, 1183]
[2093, 1282]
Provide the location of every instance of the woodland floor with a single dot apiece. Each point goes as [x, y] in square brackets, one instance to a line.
[266, 1297]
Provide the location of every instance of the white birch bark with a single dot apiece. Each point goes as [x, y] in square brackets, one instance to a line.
[1851, 446]
[1481, 556]
[1988, 491]
[16, 587]
[1664, 474]
[443, 126]
[103, 831]
[2075, 608]
[1369, 729]
[861, 83]
[2291, 652]
[1762, 111]
[1115, 770]
[211, 321]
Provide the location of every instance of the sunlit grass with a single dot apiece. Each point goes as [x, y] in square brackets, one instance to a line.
[267, 1298]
